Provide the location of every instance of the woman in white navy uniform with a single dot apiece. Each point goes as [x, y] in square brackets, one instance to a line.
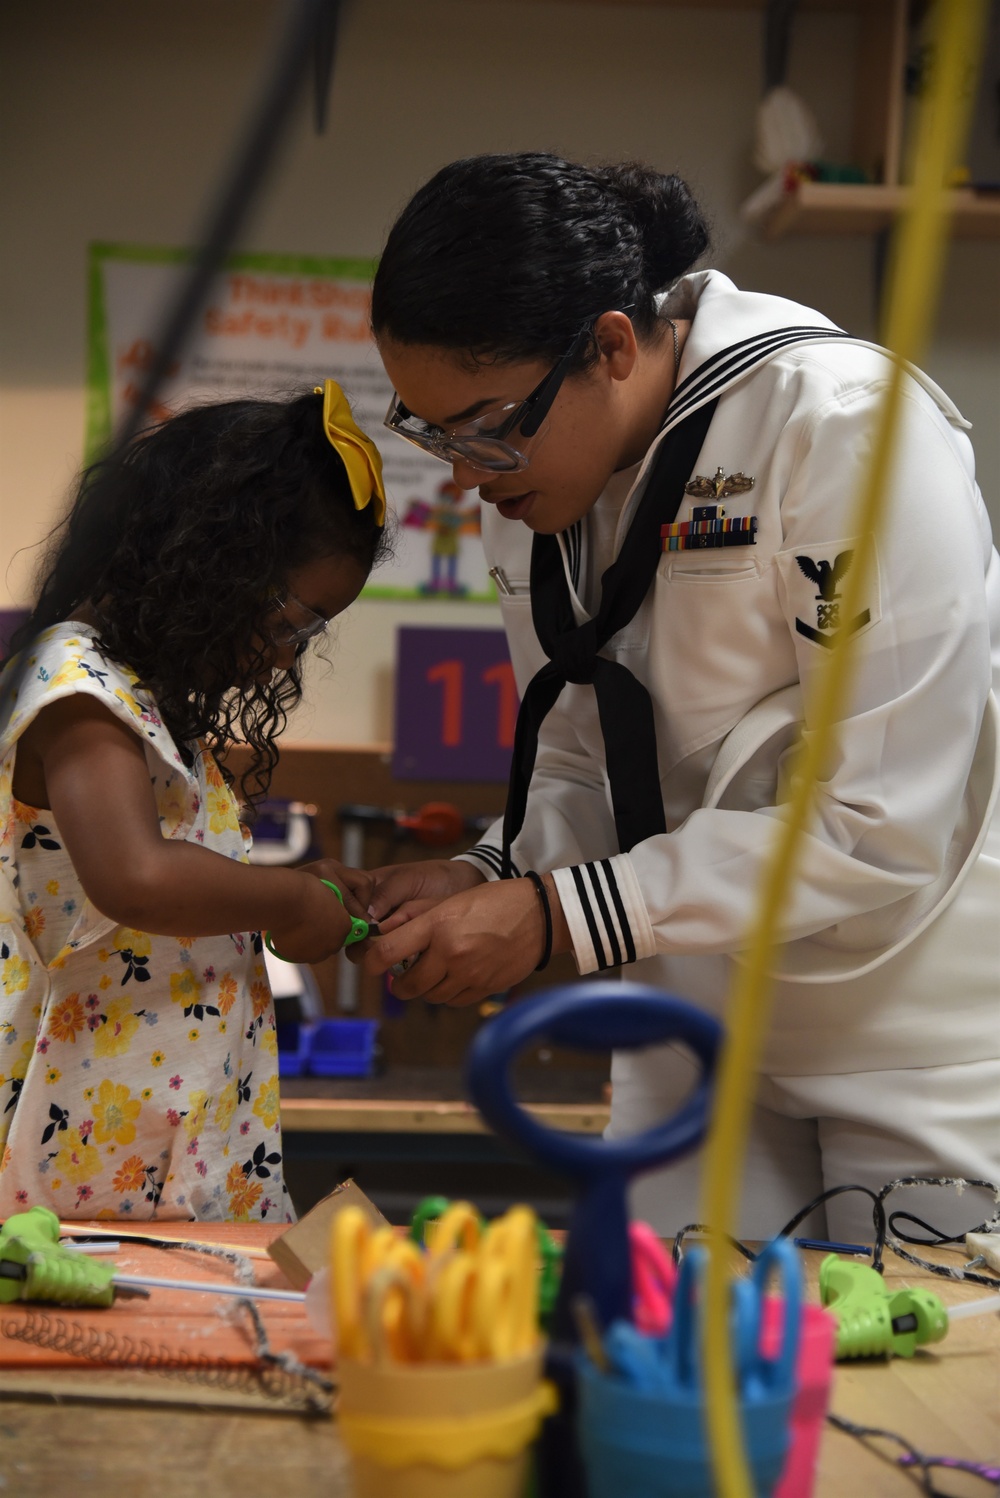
[545, 336]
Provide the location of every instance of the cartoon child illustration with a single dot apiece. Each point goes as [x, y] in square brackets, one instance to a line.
[447, 522]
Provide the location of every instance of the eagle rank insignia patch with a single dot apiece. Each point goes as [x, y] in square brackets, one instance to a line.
[814, 579]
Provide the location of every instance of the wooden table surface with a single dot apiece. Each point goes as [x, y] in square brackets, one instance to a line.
[63, 1439]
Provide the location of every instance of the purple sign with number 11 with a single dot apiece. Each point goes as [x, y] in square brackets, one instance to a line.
[456, 705]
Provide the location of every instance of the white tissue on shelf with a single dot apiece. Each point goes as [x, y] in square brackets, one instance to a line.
[786, 130]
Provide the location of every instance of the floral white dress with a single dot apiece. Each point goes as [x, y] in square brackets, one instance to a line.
[138, 1073]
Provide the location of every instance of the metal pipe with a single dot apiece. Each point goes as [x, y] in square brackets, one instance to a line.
[244, 1292]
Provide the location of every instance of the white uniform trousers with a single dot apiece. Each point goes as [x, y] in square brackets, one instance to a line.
[809, 1133]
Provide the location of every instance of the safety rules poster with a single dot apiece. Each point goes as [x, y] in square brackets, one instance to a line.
[272, 326]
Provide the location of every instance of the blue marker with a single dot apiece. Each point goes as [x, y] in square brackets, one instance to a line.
[828, 1247]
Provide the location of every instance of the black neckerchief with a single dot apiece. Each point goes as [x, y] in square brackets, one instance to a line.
[623, 703]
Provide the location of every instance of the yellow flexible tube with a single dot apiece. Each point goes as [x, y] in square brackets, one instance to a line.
[914, 283]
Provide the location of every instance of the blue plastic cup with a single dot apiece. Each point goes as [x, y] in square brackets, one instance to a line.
[644, 1445]
[641, 1429]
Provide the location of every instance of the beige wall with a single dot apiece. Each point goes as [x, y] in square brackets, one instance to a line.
[114, 117]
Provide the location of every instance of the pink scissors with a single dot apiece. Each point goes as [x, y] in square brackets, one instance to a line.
[654, 1278]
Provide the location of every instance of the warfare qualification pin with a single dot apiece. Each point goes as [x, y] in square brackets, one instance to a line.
[719, 487]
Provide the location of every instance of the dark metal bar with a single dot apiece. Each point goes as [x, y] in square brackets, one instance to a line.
[240, 187]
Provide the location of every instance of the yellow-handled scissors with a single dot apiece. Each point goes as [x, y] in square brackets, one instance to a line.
[460, 1227]
[473, 1295]
[395, 1311]
[452, 1333]
[506, 1296]
[358, 1252]
[484, 1304]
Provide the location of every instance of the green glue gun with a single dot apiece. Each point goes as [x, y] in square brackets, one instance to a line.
[34, 1265]
[872, 1320]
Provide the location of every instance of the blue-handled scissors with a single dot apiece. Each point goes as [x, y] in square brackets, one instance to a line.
[595, 1017]
[762, 1371]
[666, 1374]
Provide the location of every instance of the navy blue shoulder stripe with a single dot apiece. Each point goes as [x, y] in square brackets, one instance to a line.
[734, 350]
[742, 361]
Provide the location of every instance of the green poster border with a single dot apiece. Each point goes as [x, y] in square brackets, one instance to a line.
[98, 404]
[98, 385]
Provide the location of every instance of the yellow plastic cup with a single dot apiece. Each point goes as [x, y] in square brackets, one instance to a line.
[442, 1430]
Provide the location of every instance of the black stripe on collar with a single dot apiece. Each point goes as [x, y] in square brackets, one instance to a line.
[732, 349]
[744, 360]
[572, 541]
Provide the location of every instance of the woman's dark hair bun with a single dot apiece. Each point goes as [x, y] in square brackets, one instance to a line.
[509, 256]
[671, 225]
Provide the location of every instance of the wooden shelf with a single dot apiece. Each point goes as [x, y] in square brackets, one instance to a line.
[842, 208]
[391, 1116]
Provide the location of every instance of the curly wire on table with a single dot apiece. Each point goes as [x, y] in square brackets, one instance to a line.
[912, 1458]
[878, 1217]
[886, 1234]
[895, 1239]
[878, 1214]
[677, 1253]
[958, 1464]
[283, 1377]
[286, 1361]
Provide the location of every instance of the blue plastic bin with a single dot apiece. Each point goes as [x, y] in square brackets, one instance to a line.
[294, 1039]
[343, 1048]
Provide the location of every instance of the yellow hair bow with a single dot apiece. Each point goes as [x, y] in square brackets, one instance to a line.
[360, 456]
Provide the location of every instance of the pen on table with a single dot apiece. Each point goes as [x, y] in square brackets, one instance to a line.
[828, 1246]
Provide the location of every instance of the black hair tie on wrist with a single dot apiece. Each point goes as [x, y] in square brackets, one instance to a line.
[543, 895]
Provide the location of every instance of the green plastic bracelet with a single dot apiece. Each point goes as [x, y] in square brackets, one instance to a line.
[269, 944]
[358, 931]
[359, 928]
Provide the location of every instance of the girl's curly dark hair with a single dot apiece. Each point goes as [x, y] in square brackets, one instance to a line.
[182, 542]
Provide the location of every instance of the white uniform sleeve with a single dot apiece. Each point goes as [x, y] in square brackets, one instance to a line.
[888, 808]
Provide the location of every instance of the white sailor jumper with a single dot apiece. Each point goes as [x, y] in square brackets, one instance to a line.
[728, 642]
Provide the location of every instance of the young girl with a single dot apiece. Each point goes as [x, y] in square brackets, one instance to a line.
[139, 1064]
[668, 468]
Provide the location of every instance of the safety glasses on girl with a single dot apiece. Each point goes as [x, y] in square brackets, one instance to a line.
[299, 635]
[482, 443]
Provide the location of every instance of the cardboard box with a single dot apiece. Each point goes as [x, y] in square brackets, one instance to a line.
[305, 1247]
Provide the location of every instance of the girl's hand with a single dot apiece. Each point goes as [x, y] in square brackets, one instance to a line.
[475, 943]
[319, 926]
[401, 891]
[354, 884]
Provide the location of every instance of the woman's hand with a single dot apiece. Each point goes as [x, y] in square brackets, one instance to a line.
[320, 924]
[401, 891]
[473, 944]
